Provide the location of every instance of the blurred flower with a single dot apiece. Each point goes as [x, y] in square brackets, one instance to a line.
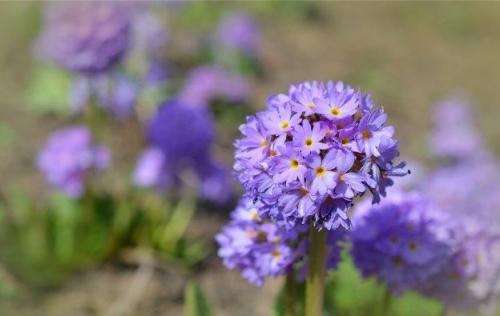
[258, 248]
[85, 37]
[180, 139]
[239, 31]
[468, 192]
[313, 151]
[208, 83]
[404, 241]
[157, 73]
[115, 93]
[68, 156]
[454, 134]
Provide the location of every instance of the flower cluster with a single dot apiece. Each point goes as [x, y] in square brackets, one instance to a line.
[172, 151]
[86, 37]
[259, 248]
[403, 241]
[240, 32]
[472, 278]
[454, 134]
[68, 156]
[209, 83]
[313, 151]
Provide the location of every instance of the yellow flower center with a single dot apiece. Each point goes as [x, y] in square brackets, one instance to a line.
[311, 105]
[345, 141]
[285, 124]
[366, 134]
[397, 261]
[335, 111]
[303, 191]
[308, 141]
[263, 143]
[254, 215]
[342, 177]
[412, 246]
[294, 164]
[276, 254]
[320, 171]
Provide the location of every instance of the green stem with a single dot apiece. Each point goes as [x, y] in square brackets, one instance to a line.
[386, 302]
[290, 294]
[315, 282]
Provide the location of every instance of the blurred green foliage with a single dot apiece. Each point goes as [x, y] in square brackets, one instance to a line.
[48, 90]
[43, 244]
[195, 303]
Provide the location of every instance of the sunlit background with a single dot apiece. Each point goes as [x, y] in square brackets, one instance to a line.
[136, 236]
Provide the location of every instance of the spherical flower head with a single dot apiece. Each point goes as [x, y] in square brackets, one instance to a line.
[404, 241]
[313, 151]
[240, 32]
[454, 134]
[86, 37]
[259, 248]
[180, 138]
[68, 156]
[181, 132]
[206, 84]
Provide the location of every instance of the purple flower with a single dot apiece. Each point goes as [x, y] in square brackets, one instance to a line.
[306, 95]
[305, 164]
[86, 37]
[181, 132]
[339, 103]
[68, 156]
[322, 172]
[308, 139]
[259, 248]
[151, 170]
[180, 138]
[404, 241]
[206, 84]
[240, 32]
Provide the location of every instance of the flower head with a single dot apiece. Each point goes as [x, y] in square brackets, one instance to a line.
[313, 151]
[68, 156]
[259, 248]
[180, 138]
[404, 241]
[86, 37]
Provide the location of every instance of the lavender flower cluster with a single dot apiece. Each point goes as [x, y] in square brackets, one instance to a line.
[68, 156]
[403, 241]
[169, 155]
[313, 151]
[86, 37]
[259, 248]
[443, 242]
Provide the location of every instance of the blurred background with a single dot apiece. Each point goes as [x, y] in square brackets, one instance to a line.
[133, 242]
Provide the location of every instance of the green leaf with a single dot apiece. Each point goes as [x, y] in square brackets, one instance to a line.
[48, 90]
[195, 303]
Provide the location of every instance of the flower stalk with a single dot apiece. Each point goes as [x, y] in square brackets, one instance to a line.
[315, 281]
